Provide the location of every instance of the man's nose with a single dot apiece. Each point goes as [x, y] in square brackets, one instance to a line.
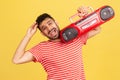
[49, 28]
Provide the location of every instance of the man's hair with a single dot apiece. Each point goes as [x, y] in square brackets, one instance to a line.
[42, 17]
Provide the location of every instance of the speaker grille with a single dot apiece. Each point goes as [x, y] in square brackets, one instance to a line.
[69, 34]
[106, 13]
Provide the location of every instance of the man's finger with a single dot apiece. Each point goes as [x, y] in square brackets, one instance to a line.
[34, 25]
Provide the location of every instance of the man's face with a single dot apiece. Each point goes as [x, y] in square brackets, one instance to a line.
[49, 28]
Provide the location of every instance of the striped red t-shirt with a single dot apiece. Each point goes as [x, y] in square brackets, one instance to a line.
[61, 61]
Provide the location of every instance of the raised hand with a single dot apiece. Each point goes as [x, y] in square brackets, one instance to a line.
[32, 30]
[83, 11]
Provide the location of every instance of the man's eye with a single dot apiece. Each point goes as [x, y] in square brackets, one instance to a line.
[44, 28]
[49, 23]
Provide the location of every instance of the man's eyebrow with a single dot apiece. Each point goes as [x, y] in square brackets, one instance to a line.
[49, 21]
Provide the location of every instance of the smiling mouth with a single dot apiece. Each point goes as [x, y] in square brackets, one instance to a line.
[52, 31]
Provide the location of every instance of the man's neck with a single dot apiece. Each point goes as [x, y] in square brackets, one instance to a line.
[56, 40]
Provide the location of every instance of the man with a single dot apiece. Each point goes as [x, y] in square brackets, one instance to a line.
[62, 61]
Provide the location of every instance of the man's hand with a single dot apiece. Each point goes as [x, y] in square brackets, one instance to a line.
[32, 30]
[83, 11]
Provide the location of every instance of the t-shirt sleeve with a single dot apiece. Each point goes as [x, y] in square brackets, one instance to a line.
[36, 52]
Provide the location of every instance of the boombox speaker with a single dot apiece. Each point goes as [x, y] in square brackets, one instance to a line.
[86, 23]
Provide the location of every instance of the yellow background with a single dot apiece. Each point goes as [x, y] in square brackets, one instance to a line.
[101, 54]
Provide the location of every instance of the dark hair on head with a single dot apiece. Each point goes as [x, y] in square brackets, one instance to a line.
[42, 17]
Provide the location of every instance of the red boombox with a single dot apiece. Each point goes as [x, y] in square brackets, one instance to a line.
[86, 23]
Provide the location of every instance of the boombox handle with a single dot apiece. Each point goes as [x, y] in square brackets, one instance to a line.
[73, 16]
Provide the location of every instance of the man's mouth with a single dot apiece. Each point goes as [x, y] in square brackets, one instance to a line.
[52, 32]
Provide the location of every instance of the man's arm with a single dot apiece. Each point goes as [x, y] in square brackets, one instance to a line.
[94, 32]
[22, 56]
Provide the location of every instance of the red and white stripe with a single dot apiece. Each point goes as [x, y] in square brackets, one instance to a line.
[62, 61]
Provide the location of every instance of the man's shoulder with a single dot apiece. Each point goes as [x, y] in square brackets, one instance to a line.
[44, 42]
